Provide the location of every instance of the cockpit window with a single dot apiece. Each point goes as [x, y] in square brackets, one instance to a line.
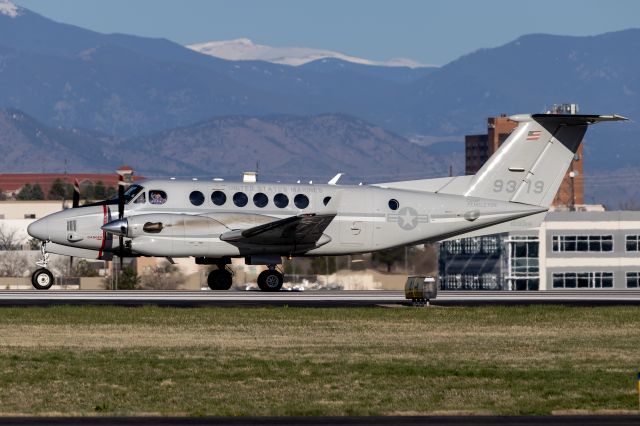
[157, 197]
[141, 199]
[131, 193]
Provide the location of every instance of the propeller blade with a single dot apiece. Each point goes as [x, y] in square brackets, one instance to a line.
[76, 193]
[120, 197]
[121, 250]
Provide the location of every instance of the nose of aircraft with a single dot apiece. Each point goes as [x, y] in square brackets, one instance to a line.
[39, 229]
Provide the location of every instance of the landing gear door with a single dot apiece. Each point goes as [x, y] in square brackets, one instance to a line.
[355, 221]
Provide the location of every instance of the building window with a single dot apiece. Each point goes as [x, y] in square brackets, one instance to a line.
[196, 198]
[472, 245]
[29, 215]
[218, 198]
[582, 243]
[633, 279]
[583, 280]
[489, 245]
[633, 243]
[453, 246]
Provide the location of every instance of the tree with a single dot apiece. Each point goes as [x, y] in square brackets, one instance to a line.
[127, 279]
[13, 264]
[29, 192]
[390, 256]
[88, 190]
[82, 268]
[99, 191]
[165, 276]
[9, 239]
[323, 265]
[58, 190]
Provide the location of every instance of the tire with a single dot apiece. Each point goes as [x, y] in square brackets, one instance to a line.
[42, 279]
[219, 279]
[270, 280]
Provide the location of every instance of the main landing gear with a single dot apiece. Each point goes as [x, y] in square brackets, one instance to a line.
[271, 279]
[221, 278]
[42, 278]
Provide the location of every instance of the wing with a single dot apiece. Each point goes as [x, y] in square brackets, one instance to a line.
[296, 231]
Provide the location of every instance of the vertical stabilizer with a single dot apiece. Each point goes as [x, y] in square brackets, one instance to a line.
[530, 165]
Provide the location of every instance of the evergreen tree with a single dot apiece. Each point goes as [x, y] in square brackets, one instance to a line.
[58, 191]
[37, 193]
[99, 191]
[29, 192]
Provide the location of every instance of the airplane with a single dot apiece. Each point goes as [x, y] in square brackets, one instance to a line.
[215, 221]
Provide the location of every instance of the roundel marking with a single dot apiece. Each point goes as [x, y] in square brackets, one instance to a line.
[407, 218]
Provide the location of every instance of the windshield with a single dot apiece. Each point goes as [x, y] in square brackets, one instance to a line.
[131, 193]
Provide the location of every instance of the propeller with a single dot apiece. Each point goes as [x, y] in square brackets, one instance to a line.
[76, 193]
[120, 217]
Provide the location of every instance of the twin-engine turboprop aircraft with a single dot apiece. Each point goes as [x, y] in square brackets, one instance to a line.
[262, 222]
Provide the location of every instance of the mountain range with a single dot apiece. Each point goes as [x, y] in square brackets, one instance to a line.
[121, 89]
[285, 146]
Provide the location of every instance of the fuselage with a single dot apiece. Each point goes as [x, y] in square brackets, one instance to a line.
[186, 218]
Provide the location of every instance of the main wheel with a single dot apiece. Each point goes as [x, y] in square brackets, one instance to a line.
[270, 280]
[42, 279]
[219, 279]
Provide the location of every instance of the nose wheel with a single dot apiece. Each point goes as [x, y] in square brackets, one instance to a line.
[42, 278]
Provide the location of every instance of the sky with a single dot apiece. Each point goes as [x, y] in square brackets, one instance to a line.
[430, 32]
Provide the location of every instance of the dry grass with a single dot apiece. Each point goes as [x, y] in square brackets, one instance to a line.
[494, 360]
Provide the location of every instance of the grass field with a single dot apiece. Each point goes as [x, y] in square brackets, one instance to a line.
[295, 361]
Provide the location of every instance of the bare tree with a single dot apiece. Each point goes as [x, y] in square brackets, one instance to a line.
[164, 277]
[14, 264]
[9, 239]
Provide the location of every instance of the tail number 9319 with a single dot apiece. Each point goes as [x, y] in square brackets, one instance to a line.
[510, 186]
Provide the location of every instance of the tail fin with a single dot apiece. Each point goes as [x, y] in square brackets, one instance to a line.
[530, 165]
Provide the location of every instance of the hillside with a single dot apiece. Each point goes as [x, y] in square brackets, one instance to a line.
[287, 148]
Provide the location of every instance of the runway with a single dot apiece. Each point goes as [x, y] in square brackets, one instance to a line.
[311, 298]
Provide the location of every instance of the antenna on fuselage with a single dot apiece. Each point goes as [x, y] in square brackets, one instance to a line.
[334, 180]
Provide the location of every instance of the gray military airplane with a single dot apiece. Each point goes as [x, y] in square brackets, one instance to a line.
[214, 221]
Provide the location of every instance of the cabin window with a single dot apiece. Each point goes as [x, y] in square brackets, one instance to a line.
[301, 201]
[326, 200]
[157, 197]
[260, 199]
[196, 198]
[394, 204]
[281, 200]
[218, 198]
[240, 199]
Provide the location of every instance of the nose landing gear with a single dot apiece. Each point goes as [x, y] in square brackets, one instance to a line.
[42, 278]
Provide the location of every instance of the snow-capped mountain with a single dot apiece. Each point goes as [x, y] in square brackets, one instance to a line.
[243, 49]
[9, 9]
